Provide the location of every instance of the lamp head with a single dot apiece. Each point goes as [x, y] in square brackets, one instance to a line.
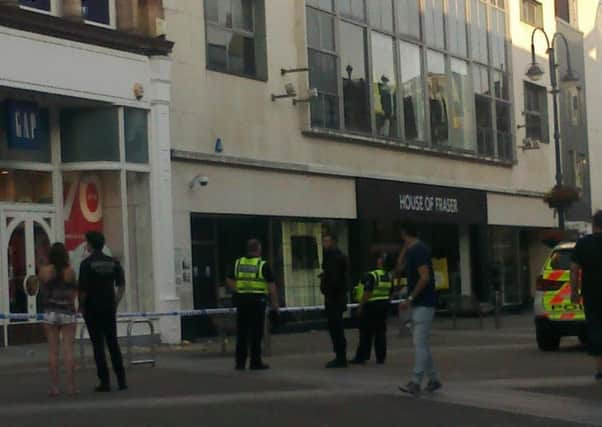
[535, 72]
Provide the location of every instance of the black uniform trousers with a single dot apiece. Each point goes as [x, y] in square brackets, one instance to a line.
[102, 326]
[373, 328]
[336, 328]
[250, 321]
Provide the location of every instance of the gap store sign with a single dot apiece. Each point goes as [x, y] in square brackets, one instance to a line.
[24, 126]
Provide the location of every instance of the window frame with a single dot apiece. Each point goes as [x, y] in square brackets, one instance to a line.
[541, 115]
[537, 7]
[56, 9]
[240, 32]
[449, 55]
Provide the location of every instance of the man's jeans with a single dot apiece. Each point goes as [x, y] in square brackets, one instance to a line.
[422, 319]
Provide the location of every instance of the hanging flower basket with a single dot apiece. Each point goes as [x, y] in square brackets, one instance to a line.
[561, 197]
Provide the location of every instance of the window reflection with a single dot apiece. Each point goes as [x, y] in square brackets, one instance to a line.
[355, 84]
[478, 31]
[380, 13]
[353, 9]
[384, 85]
[462, 129]
[408, 17]
[411, 90]
[434, 22]
[457, 27]
[437, 86]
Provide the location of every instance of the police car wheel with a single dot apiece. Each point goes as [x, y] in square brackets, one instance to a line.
[547, 340]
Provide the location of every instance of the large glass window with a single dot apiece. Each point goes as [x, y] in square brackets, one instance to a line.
[478, 32]
[434, 22]
[20, 186]
[457, 27]
[354, 76]
[380, 13]
[322, 4]
[536, 112]
[437, 84]
[384, 84]
[504, 131]
[484, 111]
[236, 37]
[462, 128]
[323, 74]
[411, 91]
[89, 135]
[353, 9]
[498, 39]
[136, 135]
[408, 17]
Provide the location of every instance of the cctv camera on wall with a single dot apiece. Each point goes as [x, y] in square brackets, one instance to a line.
[200, 180]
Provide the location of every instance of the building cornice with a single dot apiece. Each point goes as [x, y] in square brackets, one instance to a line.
[316, 169]
[53, 26]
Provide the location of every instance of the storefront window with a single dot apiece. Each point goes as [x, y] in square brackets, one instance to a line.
[437, 82]
[19, 186]
[92, 202]
[504, 270]
[136, 135]
[411, 91]
[89, 135]
[140, 241]
[31, 141]
[462, 128]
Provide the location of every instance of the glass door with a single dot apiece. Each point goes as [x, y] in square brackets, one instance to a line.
[25, 243]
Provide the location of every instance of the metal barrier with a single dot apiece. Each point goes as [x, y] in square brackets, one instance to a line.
[151, 328]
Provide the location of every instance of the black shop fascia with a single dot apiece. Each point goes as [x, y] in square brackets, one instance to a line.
[443, 215]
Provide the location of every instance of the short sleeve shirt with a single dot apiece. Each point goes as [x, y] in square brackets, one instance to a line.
[417, 256]
[588, 255]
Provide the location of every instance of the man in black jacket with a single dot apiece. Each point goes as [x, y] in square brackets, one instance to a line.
[334, 287]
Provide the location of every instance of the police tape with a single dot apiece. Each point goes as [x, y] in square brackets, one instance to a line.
[180, 313]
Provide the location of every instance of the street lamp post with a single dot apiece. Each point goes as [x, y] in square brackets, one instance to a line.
[535, 72]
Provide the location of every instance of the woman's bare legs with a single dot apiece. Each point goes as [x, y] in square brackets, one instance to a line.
[53, 336]
[68, 332]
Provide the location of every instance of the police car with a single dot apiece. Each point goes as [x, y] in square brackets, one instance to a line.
[555, 315]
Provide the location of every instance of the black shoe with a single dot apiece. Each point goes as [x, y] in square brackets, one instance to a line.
[123, 387]
[433, 386]
[410, 388]
[102, 388]
[259, 367]
[380, 362]
[357, 361]
[336, 363]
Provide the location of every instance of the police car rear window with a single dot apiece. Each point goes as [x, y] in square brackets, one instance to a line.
[561, 260]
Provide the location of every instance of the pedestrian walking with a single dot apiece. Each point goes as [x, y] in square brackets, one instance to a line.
[252, 280]
[586, 284]
[373, 295]
[58, 293]
[334, 288]
[421, 299]
[99, 276]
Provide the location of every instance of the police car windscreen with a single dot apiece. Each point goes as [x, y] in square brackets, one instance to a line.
[561, 260]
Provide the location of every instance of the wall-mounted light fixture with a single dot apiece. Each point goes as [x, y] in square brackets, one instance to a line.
[313, 93]
[290, 92]
[285, 71]
[200, 180]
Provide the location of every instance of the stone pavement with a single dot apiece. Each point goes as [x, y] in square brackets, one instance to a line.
[491, 377]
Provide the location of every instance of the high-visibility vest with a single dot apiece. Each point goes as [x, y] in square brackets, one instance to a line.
[248, 273]
[382, 287]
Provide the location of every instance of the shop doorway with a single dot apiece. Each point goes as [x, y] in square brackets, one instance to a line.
[25, 240]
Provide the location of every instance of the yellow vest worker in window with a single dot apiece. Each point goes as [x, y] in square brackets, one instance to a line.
[252, 280]
[373, 294]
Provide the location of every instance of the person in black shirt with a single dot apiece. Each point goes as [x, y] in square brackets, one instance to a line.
[251, 279]
[587, 259]
[334, 287]
[99, 274]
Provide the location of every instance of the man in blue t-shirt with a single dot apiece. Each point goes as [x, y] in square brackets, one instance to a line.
[416, 256]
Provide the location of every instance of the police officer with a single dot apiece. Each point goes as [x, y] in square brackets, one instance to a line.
[252, 280]
[373, 294]
[99, 275]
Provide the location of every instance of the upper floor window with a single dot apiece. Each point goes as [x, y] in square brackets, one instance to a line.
[532, 13]
[96, 11]
[536, 112]
[566, 10]
[36, 4]
[235, 32]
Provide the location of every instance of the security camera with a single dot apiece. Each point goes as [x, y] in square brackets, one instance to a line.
[201, 180]
[290, 89]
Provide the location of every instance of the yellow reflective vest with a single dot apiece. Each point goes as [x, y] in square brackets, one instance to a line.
[248, 273]
[382, 287]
